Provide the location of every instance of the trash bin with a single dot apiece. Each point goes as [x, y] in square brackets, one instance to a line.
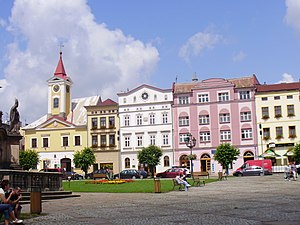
[157, 186]
[35, 200]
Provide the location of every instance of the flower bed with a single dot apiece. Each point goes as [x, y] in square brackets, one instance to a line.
[108, 181]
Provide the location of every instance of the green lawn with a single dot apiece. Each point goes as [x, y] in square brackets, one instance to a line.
[137, 186]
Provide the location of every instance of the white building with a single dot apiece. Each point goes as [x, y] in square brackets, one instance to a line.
[145, 119]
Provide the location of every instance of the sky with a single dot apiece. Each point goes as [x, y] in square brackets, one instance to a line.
[113, 46]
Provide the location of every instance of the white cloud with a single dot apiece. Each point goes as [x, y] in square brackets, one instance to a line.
[286, 78]
[240, 56]
[196, 44]
[292, 16]
[98, 60]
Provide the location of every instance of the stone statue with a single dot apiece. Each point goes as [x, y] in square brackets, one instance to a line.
[14, 118]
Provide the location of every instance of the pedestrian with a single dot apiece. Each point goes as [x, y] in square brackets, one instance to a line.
[15, 200]
[294, 170]
[7, 208]
[287, 171]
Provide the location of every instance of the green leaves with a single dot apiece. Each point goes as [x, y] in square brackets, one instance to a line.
[84, 159]
[296, 152]
[226, 154]
[28, 159]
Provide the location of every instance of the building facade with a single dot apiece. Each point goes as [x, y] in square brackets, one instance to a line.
[103, 134]
[145, 119]
[278, 111]
[214, 111]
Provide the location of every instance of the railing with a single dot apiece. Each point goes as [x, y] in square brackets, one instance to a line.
[278, 169]
[28, 180]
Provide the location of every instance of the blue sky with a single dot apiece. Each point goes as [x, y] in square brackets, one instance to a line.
[111, 46]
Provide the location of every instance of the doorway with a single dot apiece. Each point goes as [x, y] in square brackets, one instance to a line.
[205, 163]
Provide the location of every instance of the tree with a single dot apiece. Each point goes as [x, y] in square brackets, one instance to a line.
[150, 156]
[28, 159]
[84, 159]
[225, 154]
[296, 152]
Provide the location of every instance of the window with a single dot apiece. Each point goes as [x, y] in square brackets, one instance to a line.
[203, 119]
[276, 97]
[205, 136]
[182, 137]
[124, 100]
[152, 118]
[277, 110]
[127, 141]
[183, 121]
[152, 139]
[265, 112]
[111, 121]
[225, 135]
[127, 163]
[77, 141]
[55, 103]
[102, 122]
[45, 142]
[103, 140]
[292, 131]
[244, 94]
[165, 118]
[134, 99]
[95, 140]
[94, 123]
[290, 110]
[139, 141]
[264, 98]
[166, 97]
[245, 116]
[279, 132]
[223, 97]
[65, 141]
[33, 143]
[247, 133]
[112, 141]
[289, 96]
[224, 118]
[166, 161]
[203, 98]
[126, 121]
[183, 100]
[165, 139]
[138, 119]
[266, 133]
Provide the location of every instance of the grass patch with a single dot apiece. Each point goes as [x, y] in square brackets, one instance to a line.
[138, 186]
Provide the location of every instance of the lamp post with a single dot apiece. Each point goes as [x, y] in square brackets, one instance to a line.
[190, 142]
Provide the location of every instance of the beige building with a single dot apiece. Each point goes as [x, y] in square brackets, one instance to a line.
[103, 134]
[278, 120]
[57, 135]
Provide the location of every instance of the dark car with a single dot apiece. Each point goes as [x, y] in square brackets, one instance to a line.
[97, 174]
[72, 175]
[143, 174]
[250, 171]
[129, 174]
[170, 173]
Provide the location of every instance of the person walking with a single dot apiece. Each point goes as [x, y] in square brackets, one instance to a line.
[294, 170]
[287, 171]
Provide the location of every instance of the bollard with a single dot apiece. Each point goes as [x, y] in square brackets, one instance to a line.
[157, 185]
[35, 200]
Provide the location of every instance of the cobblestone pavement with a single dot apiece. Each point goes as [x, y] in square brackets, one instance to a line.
[266, 200]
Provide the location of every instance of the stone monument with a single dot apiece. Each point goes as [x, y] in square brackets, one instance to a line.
[10, 139]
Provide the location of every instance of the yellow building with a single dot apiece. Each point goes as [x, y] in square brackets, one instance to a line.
[278, 123]
[103, 134]
[57, 135]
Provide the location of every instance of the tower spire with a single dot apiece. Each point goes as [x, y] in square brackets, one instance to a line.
[60, 69]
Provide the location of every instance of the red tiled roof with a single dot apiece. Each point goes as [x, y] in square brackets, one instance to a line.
[278, 87]
[108, 102]
[60, 69]
[244, 82]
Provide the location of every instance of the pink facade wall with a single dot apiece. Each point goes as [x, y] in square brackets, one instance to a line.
[213, 108]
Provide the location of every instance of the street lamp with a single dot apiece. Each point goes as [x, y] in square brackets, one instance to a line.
[190, 142]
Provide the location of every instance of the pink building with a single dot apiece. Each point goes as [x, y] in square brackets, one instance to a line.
[214, 111]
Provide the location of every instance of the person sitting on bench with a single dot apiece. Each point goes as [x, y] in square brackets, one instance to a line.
[180, 180]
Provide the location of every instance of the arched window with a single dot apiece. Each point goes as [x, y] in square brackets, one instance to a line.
[127, 163]
[166, 161]
[55, 103]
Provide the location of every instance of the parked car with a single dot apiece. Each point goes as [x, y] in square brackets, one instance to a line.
[187, 172]
[170, 173]
[129, 174]
[250, 171]
[72, 175]
[265, 163]
[55, 170]
[97, 174]
[143, 174]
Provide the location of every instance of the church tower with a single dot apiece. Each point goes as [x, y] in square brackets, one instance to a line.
[59, 92]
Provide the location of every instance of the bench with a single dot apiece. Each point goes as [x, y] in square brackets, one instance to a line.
[201, 174]
[176, 184]
[100, 176]
[222, 176]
